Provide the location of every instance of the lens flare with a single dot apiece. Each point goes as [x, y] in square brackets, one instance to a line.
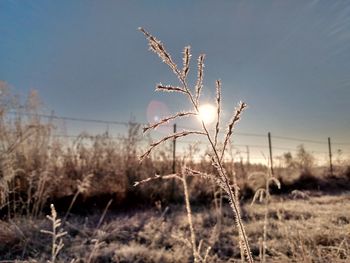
[156, 110]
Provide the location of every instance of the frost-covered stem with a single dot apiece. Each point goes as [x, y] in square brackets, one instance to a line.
[267, 201]
[222, 179]
[235, 206]
[233, 200]
[236, 191]
[53, 247]
[189, 218]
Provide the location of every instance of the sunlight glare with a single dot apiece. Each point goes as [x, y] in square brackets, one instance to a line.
[207, 113]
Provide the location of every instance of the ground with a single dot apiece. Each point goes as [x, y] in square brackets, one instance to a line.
[305, 227]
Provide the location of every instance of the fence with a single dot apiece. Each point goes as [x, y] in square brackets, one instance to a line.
[256, 153]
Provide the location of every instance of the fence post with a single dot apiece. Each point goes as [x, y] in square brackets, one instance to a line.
[174, 151]
[270, 148]
[330, 156]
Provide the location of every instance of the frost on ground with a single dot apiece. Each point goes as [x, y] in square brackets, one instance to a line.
[316, 229]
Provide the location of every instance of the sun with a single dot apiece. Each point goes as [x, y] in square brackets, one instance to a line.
[207, 113]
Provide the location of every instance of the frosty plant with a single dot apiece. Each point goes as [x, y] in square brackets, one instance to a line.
[263, 194]
[56, 233]
[216, 155]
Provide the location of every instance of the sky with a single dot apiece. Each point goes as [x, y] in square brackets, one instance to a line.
[288, 60]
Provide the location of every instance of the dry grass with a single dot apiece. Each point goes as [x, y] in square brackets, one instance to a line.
[216, 154]
[56, 234]
[263, 195]
[313, 230]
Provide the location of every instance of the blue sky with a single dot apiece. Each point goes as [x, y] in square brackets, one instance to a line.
[288, 60]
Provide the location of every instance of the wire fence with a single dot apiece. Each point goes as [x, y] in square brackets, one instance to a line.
[251, 152]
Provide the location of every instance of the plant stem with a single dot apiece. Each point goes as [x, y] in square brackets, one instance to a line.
[189, 217]
[233, 201]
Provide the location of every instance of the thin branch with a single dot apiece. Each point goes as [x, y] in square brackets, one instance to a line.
[168, 88]
[236, 117]
[156, 177]
[216, 179]
[199, 84]
[157, 47]
[172, 136]
[186, 61]
[167, 119]
[218, 108]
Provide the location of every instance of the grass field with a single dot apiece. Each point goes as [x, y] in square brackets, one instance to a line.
[315, 228]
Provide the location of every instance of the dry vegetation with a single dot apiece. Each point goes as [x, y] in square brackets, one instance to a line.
[315, 229]
[90, 181]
